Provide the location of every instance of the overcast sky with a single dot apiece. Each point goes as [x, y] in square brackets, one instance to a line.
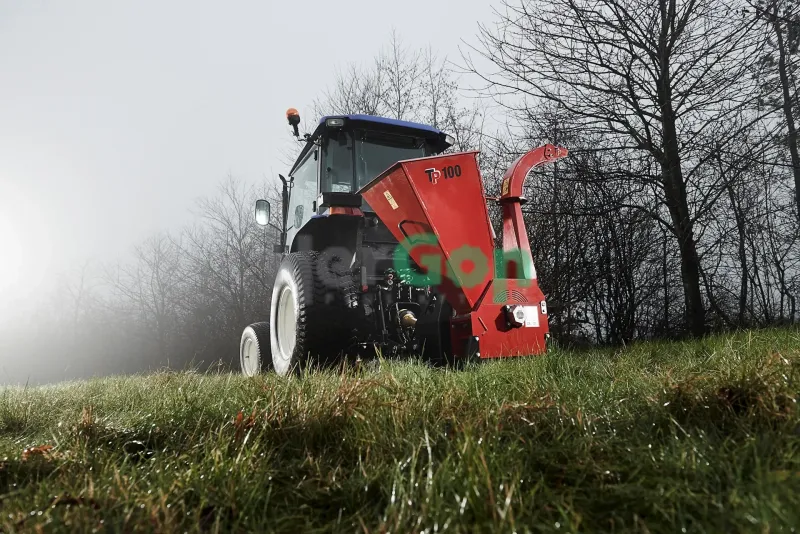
[116, 116]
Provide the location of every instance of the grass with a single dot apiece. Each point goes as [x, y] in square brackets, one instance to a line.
[659, 437]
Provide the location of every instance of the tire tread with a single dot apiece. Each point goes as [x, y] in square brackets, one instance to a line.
[323, 315]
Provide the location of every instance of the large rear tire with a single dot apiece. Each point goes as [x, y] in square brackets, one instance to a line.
[309, 318]
[254, 349]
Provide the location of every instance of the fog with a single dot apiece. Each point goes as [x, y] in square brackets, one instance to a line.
[116, 117]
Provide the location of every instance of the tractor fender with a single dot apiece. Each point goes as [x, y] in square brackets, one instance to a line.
[333, 232]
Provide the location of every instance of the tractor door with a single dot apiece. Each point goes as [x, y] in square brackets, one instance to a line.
[304, 193]
[337, 174]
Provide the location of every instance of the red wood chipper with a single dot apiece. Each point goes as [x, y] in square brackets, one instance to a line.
[387, 243]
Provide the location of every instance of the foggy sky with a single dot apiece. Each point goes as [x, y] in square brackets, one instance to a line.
[116, 116]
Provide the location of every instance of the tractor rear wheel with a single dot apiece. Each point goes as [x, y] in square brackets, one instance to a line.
[309, 317]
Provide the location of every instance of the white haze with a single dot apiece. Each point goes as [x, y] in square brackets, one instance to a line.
[115, 117]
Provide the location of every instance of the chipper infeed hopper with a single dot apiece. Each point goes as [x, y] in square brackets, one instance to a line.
[436, 208]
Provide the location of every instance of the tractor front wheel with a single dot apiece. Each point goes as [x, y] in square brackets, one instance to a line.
[307, 316]
[254, 349]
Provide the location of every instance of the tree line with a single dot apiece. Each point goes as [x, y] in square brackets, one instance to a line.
[677, 212]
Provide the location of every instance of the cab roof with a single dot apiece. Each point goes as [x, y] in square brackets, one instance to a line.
[385, 121]
[435, 136]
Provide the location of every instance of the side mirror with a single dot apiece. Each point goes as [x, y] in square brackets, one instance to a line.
[262, 212]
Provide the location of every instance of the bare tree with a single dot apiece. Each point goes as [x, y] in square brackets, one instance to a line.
[150, 290]
[229, 266]
[407, 84]
[654, 77]
[76, 297]
[779, 70]
[355, 91]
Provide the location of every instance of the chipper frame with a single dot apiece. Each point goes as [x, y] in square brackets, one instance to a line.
[436, 208]
[386, 243]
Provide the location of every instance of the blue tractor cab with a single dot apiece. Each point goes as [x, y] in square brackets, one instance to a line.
[343, 154]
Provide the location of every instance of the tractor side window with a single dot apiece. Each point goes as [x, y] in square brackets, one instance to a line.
[338, 170]
[304, 192]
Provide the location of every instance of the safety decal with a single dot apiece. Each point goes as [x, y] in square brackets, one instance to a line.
[391, 200]
[532, 316]
[505, 187]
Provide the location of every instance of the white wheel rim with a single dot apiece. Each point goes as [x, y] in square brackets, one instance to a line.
[250, 357]
[286, 324]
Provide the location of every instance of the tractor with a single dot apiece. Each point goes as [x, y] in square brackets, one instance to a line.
[387, 248]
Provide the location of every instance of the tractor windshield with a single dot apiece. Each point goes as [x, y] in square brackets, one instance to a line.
[353, 159]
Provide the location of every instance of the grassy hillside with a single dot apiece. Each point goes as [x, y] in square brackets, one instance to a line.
[655, 438]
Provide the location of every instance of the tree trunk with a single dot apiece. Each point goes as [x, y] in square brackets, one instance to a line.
[743, 279]
[665, 273]
[787, 108]
[742, 251]
[690, 270]
[675, 188]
